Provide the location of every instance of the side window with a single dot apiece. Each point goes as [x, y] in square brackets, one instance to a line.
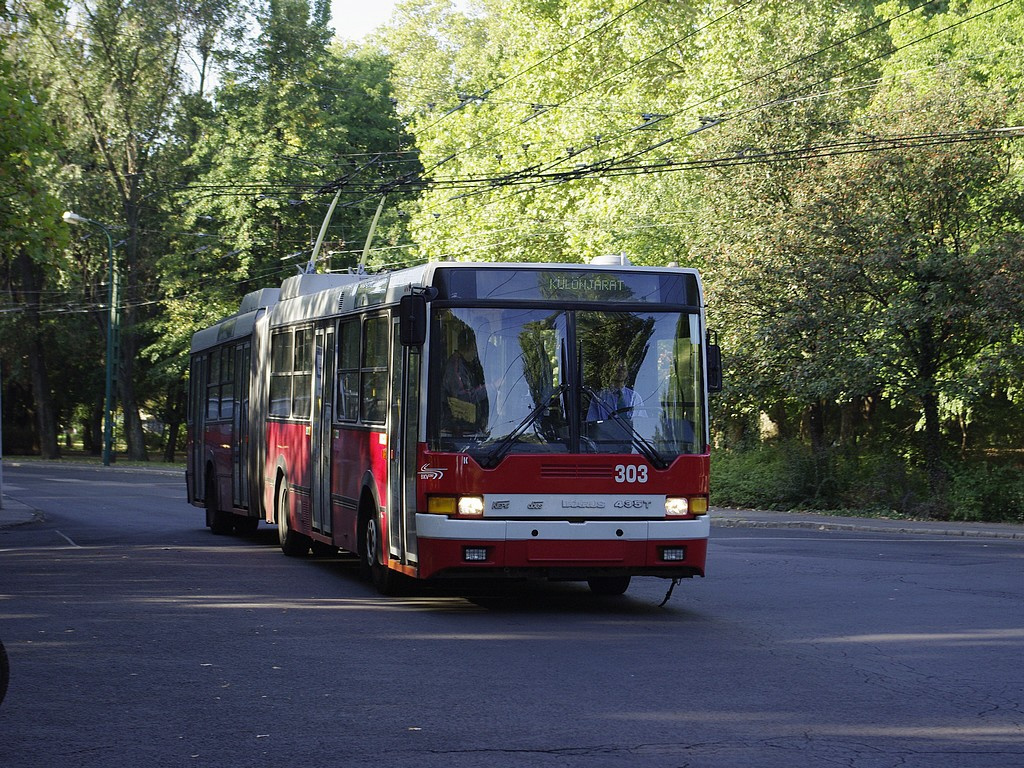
[220, 378]
[281, 374]
[348, 371]
[196, 391]
[302, 379]
[213, 386]
[374, 383]
[227, 382]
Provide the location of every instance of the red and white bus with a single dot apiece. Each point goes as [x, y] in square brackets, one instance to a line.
[465, 420]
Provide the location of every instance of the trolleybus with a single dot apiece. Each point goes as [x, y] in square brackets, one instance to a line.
[464, 420]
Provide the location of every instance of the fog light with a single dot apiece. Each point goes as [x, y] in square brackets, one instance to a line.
[474, 554]
[673, 554]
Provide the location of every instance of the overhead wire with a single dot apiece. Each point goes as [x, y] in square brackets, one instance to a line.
[542, 178]
[603, 167]
[545, 176]
[751, 81]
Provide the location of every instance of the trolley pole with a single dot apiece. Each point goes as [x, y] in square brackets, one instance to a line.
[113, 332]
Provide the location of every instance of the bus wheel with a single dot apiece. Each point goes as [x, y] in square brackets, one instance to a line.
[293, 544]
[217, 520]
[609, 586]
[386, 581]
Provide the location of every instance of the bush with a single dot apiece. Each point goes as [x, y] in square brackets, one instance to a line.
[989, 493]
[788, 474]
[883, 481]
[762, 478]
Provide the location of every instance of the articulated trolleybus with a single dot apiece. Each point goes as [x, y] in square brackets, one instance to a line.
[465, 420]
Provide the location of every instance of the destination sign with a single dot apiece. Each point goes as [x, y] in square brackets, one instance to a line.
[571, 285]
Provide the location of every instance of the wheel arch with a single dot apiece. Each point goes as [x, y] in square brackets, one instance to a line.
[369, 505]
[280, 473]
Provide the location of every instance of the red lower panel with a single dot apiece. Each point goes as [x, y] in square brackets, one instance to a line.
[636, 557]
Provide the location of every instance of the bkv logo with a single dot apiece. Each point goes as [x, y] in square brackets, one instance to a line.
[428, 472]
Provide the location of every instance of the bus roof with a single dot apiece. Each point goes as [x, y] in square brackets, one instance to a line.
[309, 296]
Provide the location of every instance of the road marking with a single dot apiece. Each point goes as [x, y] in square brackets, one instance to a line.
[67, 539]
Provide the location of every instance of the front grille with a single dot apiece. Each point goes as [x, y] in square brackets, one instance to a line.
[576, 471]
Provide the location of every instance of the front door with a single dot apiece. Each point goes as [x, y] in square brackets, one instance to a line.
[320, 437]
[197, 444]
[240, 416]
[403, 428]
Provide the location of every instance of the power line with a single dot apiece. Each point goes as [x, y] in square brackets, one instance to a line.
[600, 166]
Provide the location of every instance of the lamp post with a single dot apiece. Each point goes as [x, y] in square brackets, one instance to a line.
[113, 323]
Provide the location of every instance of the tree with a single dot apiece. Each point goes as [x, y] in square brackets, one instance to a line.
[940, 265]
[114, 74]
[294, 122]
[30, 240]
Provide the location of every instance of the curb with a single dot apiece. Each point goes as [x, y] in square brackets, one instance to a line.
[14, 514]
[974, 533]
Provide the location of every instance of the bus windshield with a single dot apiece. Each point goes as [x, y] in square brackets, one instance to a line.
[529, 380]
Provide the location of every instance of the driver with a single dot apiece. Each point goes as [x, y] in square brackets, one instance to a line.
[616, 398]
[465, 402]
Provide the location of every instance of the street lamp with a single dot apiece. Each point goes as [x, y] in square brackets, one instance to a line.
[113, 325]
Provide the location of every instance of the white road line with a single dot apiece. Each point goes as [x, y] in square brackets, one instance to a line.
[67, 539]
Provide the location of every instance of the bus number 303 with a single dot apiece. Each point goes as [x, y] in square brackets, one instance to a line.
[630, 473]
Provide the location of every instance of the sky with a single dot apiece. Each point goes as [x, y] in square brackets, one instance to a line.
[354, 19]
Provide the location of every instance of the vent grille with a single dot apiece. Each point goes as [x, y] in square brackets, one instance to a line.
[577, 471]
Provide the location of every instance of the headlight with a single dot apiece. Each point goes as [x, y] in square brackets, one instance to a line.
[677, 506]
[686, 506]
[471, 506]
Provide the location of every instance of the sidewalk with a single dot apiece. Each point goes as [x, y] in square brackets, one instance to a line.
[15, 513]
[749, 518]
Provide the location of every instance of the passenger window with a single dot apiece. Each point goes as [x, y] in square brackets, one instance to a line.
[374, 381]
[348, 371]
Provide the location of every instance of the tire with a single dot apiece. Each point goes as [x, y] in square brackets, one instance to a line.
[293, 544]
[219, 521]
[609, 586]
[386, 581]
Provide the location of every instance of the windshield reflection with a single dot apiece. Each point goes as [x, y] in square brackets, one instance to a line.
[541, 381]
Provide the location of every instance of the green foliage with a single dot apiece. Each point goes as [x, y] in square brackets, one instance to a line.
[988, 492]
[786, 475]
[761, 478]
[832, 168]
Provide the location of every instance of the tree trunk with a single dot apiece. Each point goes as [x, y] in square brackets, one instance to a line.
[46, 419]
[133, 434]
[938, 479]
[92, 430]
[927, 369]
[174, 412]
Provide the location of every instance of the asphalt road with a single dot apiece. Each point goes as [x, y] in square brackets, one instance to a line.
[137, 638]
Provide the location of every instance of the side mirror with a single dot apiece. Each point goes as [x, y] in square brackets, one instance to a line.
[412, 319]
[714, 363]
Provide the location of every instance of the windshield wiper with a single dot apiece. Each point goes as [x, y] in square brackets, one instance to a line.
[494, 457]
[649, 451]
